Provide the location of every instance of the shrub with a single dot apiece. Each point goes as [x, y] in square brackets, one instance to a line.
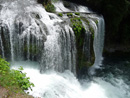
[21, 79]
[4, 66]
[10, 78]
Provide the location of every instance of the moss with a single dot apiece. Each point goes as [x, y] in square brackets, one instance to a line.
[66, 4]
[69, 14]
[77, 13]
[50, 7]
[77, 25]
[92, 31]
[60, 14]
[82, 60]
[96, 21]
[79, 31]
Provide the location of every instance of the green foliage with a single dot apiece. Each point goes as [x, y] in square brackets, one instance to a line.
[77, 13]
[21, 79]
[79, 30]
[77, 25]
[60, 14]
[50, 7]
[92, 31]
[4, 66]
[69, 14]
[11, 78]
[96, 21]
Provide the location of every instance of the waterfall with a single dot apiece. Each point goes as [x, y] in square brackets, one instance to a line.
[87, 43]
[19, 27]
[45, 45]
[36, 35]
[59, 49]
[99, 41]
[98, 44]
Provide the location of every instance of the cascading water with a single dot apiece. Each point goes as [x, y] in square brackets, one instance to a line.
[99, 41]
[43, 43]
[98, 44]
[34, 34]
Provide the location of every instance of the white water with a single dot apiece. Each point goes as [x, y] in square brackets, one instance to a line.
[37, 35]
[99, 41]
[98, 44]
[73, 7]
[34, 34]
[56, 43]
[99, 32]
[65, 85]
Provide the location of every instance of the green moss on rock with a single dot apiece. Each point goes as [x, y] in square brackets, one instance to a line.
[49, 7]
[69, 14]
[77, 13]
[91, 29]
[60, 14]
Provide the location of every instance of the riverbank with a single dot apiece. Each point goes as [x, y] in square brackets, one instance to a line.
[5, 93]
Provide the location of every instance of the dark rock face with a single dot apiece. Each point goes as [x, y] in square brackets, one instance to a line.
[43, 1]
[40, 1]
[116, 14]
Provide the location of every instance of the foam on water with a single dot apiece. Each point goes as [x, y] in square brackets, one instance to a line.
[52, 84]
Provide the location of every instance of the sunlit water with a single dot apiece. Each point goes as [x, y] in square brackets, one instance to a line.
[52, 84]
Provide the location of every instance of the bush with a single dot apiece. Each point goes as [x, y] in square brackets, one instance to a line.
[4, 67]
[21, 79]
[13, 78]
